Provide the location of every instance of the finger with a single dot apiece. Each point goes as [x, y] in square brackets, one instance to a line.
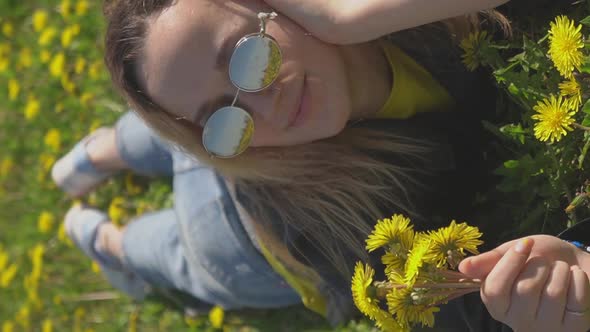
[577, 310]
[554, 296]
[497, 287]
[478, 267]
[526, 293]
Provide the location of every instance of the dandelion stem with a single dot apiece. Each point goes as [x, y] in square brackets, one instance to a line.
[456, 285]
[454, 296]
[450, 274]
[557, 165]
[579, 126]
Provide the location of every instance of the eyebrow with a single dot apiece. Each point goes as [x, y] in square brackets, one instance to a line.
[224, 54]
[228, 45]
[210, 106]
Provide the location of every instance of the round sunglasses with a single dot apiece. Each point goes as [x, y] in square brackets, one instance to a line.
[253, 67]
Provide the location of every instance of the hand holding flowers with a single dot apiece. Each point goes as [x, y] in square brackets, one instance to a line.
[533, 284]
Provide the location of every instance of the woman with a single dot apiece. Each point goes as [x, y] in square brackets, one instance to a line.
[311, 181]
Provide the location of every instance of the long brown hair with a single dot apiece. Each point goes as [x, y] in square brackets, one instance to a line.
[331, 191]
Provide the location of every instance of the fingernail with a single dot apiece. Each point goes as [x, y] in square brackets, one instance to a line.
[522, 246]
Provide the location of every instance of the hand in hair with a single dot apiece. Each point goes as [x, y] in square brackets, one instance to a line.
[535, 284]
[356, 21]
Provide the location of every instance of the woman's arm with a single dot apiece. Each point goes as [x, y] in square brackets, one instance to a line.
[356, 21]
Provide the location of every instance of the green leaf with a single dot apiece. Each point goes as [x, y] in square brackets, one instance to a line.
[586, 107]
[510, 164]
[586, 21]
[585, 68]
[515, 132]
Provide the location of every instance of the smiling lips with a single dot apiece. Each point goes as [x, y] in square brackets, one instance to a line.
[303, 108]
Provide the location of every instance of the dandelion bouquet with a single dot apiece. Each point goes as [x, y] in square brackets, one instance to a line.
[420, 269]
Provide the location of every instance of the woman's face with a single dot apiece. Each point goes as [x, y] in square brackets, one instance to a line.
[184, 68]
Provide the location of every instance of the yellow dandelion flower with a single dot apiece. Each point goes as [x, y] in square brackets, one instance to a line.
[8, 275]
[65, 8]
[573, 92]
[59, 107]
[36, 254]
[472, 46]
[46, 161]
[418, 257]
[95, 267]
[47, 36]
[393, 263]
[408, 308]
[192, 321]
[95, 124]
[385, 322]
[81, 7]
[4, 63]
[67, 36]
[395, 232]
[142, 207]
[13, 89]
[44, 56]
[79, 313]
[32, 108]
[57, 300]
[3, 260]
[80, 65]
[47, 325]
[62, 236]
[554, 119]
[363, 291]
[133, 317]
[45, 222]
[8, 29]
[95, 70]
[57, 65]
[456, 238]
[23, 316]
[33, 298]
[53, 139]
[25, 59]
[6, 166]
[40, 18]
[5, 48]
[565, 44]
[216, 316]
[117, 210]
[67, 84]
[8, 326]
[86, 98]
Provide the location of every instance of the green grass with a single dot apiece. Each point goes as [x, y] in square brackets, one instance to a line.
[73, 99]
[74, 96]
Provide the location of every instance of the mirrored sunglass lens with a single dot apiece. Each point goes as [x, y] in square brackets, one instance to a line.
[228, 132]
[255, 63]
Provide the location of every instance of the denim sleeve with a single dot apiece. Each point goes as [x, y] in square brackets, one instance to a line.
[141, 148]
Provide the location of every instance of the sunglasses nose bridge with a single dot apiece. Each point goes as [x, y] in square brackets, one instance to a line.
[261, 104]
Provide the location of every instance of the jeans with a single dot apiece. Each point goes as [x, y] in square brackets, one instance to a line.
[200, 246]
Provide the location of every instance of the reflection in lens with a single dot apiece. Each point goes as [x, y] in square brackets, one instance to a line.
[255, 63]
[228, 132]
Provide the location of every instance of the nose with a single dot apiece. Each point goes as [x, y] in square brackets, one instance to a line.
[261, 105]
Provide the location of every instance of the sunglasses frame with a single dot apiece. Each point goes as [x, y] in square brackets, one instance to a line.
[263, 17]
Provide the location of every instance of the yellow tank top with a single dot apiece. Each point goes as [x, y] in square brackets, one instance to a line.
[414, 90]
